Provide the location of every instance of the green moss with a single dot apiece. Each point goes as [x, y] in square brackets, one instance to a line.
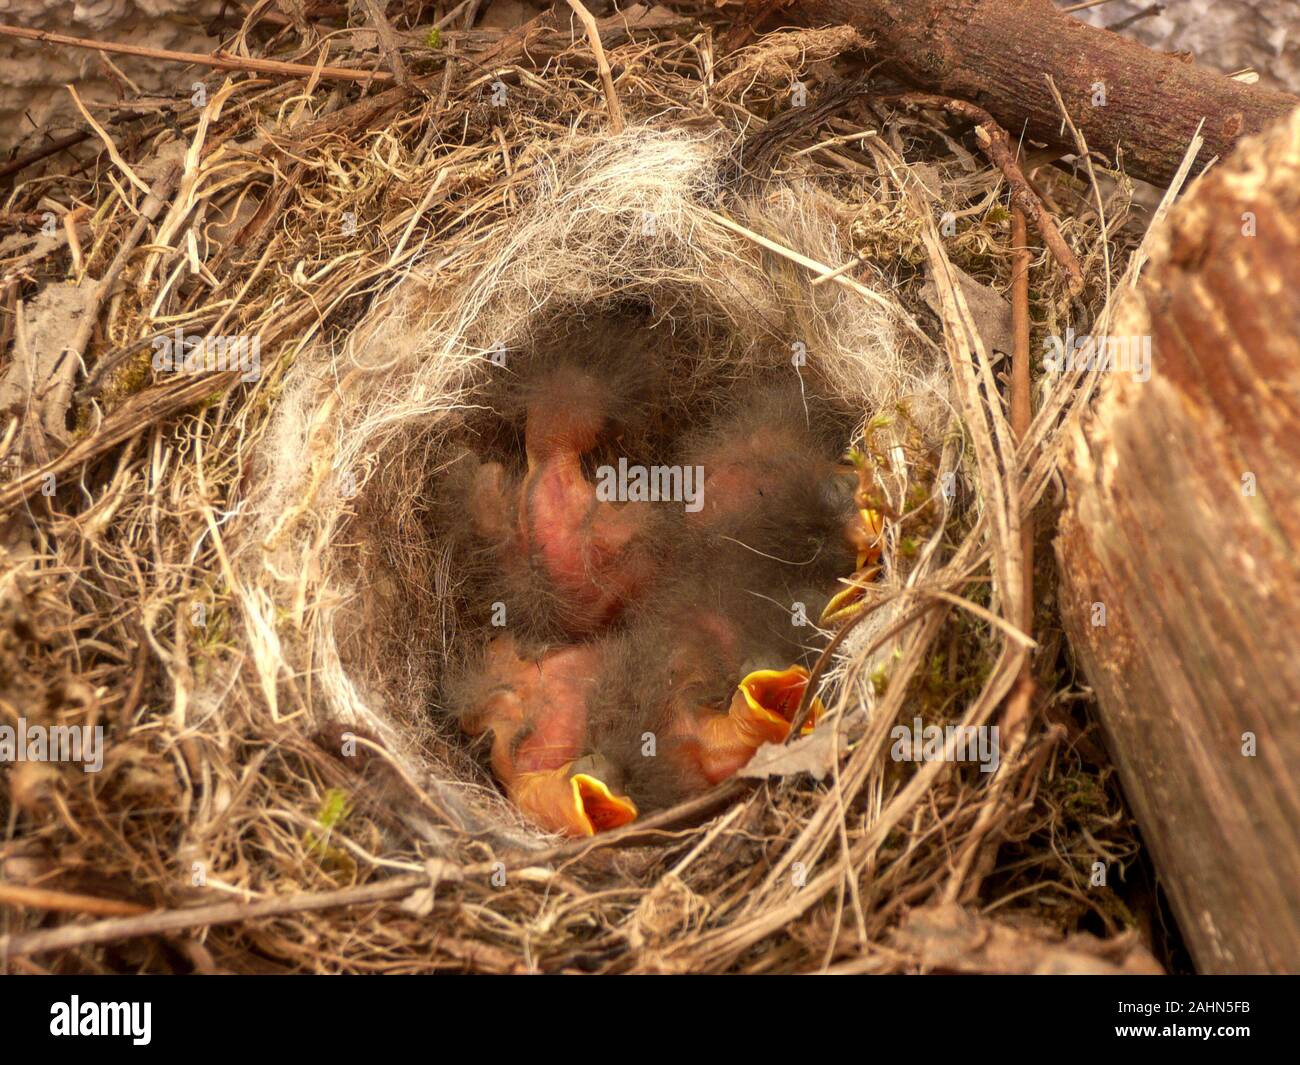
[211, 638]
[131, 377]
[879, 680]
[335, 861]
[433, 38]
[134, 375]
[936, 674]
[1083, 796]
[333, 808]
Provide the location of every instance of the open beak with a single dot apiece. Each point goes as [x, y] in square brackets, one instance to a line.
[761, 711]
[869, 538]
[572, 804]
[768, 700]
[601, 809]
[867, 532]
[848, 600]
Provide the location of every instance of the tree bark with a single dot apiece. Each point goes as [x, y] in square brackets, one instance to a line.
[997, 53]
[1180, 559]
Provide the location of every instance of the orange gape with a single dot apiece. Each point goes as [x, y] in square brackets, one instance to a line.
[537, 714]
[866, 532]
[761, 711]
[711, 743]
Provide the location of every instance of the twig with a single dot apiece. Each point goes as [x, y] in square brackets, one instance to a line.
[964, 884]
[1083, 6]
[831, 142]
[821, 269]
[746, 29]
[881, 638]
[995, 143]
[218, 60]
[109, 145]
[389, 45]
[142, 409]
[46, 899]
[602, 65]
[978, 851]
[641, 833]
[1138, 16]
[43, 152]
[819, 667]
[60, 387]
[446, 19]
[68, 937]
[647, 831]
[844, 268]
[1021, 401]
[1085, 153]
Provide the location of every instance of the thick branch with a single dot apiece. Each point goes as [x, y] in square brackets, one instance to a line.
[997, 54]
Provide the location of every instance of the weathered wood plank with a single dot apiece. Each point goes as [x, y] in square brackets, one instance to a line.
[1183, 524]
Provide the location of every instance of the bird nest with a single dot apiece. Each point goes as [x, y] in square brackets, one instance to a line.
[237, 570]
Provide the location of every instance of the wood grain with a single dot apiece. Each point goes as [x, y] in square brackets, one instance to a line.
[1184, 522]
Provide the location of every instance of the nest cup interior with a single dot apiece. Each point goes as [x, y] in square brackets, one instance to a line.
[423, 577]
[619, 237]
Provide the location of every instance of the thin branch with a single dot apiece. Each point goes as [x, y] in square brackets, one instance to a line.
[218, 60]
[160, 922]
[602, 65]
[1083, 6]
[66, 901]
[821, 269]
[1147, 12]
[996, 144]
[647, 831]
[389, 45]
[1021, 388]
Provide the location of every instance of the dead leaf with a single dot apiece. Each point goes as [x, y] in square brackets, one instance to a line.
[420, 901]
[813, 754]
[951, 939]
[929, 178]
[39, 381]
[991, 312]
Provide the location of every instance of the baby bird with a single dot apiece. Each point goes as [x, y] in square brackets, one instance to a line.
[568, 561]
[712, 662]
[701, 678]
[779, 508]
[536, 710]
[775, 490]
[709, 738]
[587, 735]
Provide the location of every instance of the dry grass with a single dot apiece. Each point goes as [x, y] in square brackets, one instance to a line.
[229, 575]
